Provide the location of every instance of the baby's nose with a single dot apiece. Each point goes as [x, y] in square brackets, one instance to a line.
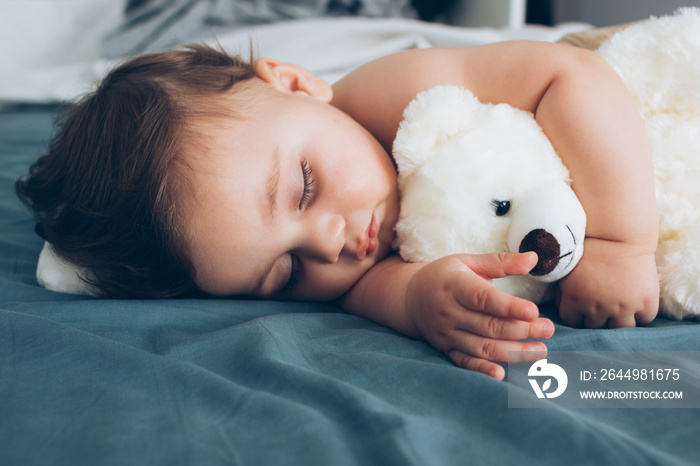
[327, 239]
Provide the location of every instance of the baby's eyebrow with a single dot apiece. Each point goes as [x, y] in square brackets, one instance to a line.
[273, 183]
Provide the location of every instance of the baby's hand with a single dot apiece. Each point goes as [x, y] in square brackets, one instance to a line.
[614, 285]
[455, 307]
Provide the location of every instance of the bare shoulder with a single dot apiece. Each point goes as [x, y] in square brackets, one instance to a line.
[376, 94]
[514, 72]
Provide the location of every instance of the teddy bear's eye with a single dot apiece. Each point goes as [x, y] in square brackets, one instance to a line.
[501, 207]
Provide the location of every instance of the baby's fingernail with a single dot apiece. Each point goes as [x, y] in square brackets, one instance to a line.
[547, 328]
[530, 253]
[532, 311]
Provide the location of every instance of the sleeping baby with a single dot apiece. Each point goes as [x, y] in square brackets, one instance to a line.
[192, 172]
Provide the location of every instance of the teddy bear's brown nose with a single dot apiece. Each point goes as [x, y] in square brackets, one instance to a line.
[547, 248]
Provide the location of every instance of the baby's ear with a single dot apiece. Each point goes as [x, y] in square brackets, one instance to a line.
[291, 78]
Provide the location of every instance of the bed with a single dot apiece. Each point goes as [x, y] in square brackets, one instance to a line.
[220, 381]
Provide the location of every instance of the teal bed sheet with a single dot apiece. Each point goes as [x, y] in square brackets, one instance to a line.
[216, 381]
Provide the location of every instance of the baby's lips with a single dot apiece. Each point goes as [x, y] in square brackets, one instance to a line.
[369, 242]
[372, 234]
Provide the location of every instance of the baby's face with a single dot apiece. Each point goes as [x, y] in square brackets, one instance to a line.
[294, 200]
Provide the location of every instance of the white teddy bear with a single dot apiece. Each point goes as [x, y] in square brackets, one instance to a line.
[482, 178]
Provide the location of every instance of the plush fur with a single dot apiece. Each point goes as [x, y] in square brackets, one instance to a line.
[459, 158]
[471, 175]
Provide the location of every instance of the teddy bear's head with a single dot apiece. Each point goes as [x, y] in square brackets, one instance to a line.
[481, 178]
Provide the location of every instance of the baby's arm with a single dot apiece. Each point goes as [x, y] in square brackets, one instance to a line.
[452, 304]
[594, 125]
[602, 140]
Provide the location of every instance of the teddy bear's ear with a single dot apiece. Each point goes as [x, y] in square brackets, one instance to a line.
[433, 117]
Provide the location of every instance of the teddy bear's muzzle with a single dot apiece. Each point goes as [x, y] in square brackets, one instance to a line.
[547, 248]
[550, 221]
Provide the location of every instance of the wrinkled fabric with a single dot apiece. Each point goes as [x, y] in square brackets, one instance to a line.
[148, 382]
[328, 47]
[157, 24]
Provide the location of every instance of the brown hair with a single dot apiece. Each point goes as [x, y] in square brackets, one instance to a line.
[108, 194]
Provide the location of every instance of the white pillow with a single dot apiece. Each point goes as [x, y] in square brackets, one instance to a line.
[42, 42]
[39, 33]
[55, 274]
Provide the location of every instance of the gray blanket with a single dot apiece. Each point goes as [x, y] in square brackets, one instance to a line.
[157, 24]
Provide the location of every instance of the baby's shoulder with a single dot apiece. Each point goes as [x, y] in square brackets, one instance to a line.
[376, 94]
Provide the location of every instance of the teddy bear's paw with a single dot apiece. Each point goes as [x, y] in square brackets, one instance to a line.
[678, 264]
[683, 308]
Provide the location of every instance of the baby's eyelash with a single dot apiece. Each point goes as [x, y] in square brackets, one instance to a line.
[308, 192]
[306, 197]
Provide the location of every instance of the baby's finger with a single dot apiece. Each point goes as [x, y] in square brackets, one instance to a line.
[644, 317]
[491, 349]
[596, 321]
[499, 265]
[639, 319]
[624, 320]
[471, 363]
[499, 328]
[485, 298]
